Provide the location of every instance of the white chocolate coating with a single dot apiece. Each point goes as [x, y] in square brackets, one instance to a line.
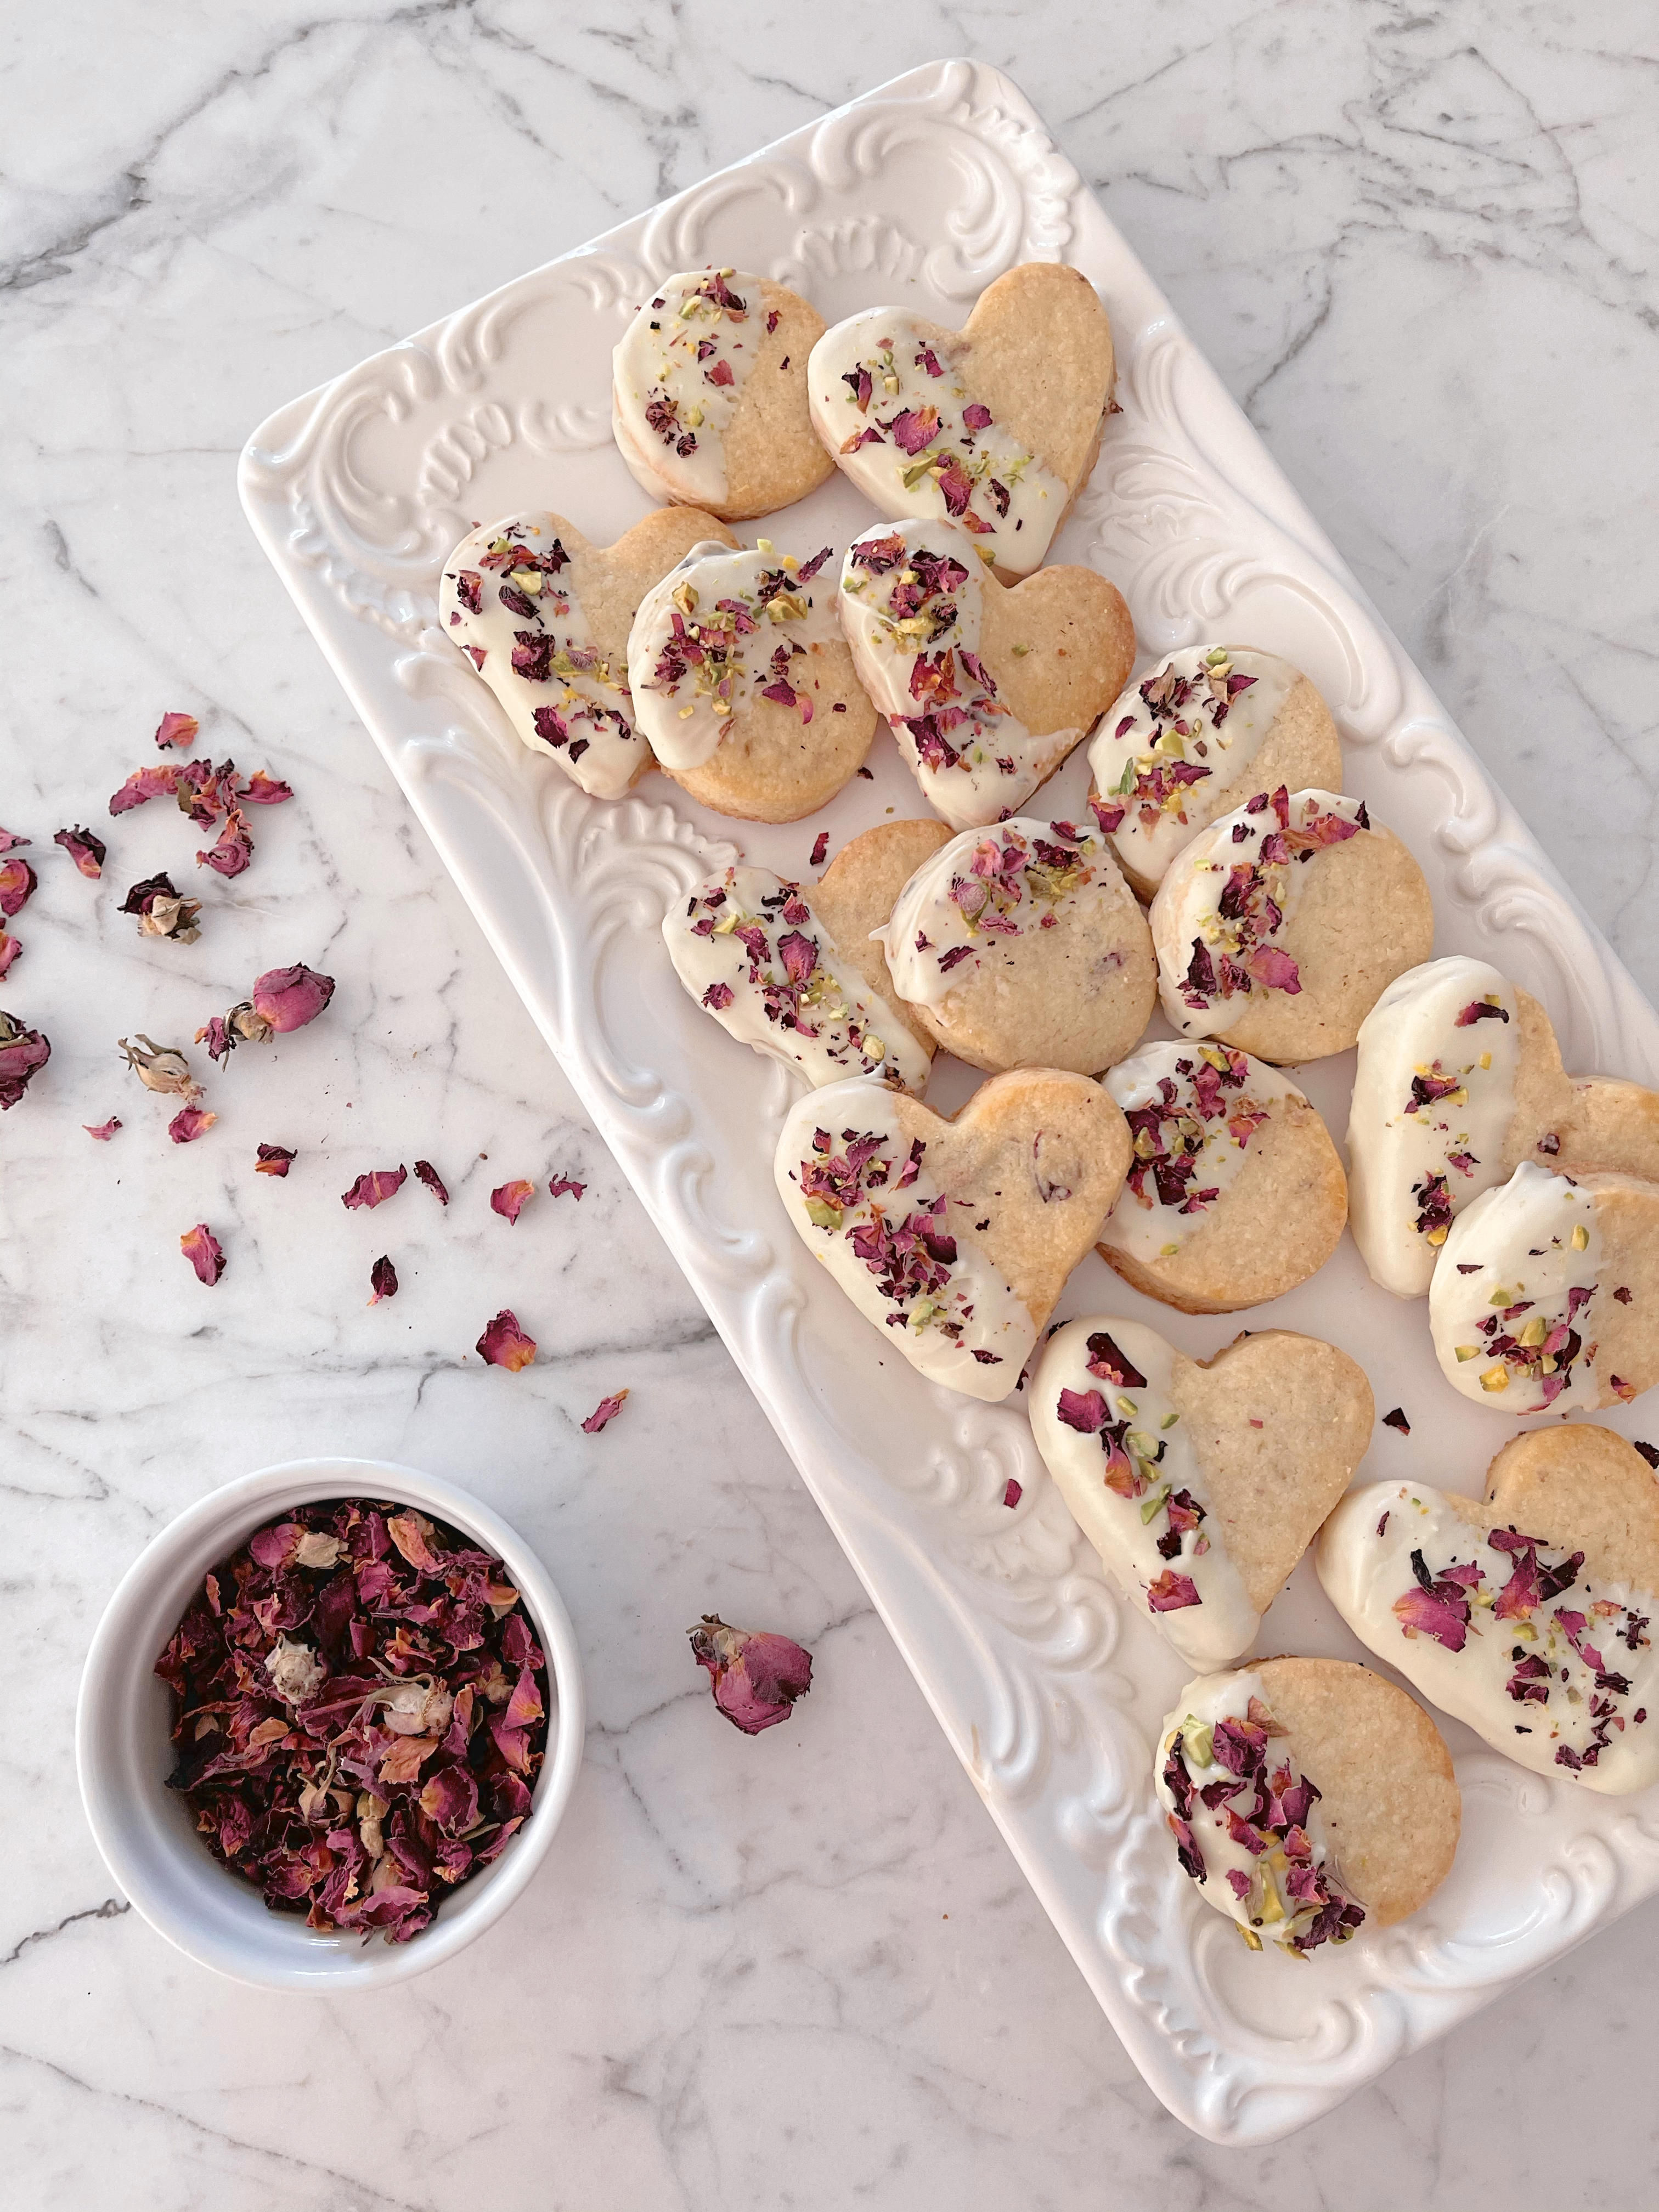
[911, 604]
[941, 1306]
[892, 408]
[1199, 719]
[1530, 1671]
[1192, 1110]
[989, 887]
[781, 986]
[505, 600]
[719, 628]
[1416, 1160]
[1132, 1480]
[1252, 847]
[675, 373]
[1509, 1306]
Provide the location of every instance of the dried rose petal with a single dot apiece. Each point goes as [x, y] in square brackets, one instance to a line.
[232, 850]
[606, 1410]
[1012, 1493]
[382, 1280]
[203, 1250]
[561, 1185]
[1397, 1419]
[86, 851]
[375, 1187]
[263, 790]
[11, 948]
[504, 1344]
[451, 1800]
[426, 1173]
[189, 1123]
[24, 1053]
[10, 840]
[507, 1199]
[161, 1067]
[104, 1131]
[177, 730]
[820, 847]
[144, 784]
[274, 1159]
[161, 912]
[18, 883]
[757, 1676]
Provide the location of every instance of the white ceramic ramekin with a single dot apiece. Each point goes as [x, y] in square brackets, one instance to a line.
[147, 1834]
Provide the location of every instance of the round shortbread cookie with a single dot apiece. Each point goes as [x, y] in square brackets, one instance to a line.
[855, 894]
[745, 685]
[708, 394]
[1021, 946]
[1235, 1194]
[543, 616]
[1211, 725]
[1281, 925]
[985, 692]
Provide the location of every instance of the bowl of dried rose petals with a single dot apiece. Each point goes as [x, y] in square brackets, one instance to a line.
[329, 1723]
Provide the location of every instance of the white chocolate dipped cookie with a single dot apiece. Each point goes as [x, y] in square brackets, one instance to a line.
[1526, 1614]
[1308, 1798]
[543, 616]
[1211, 726]
[995, 426]
[1280, 926]
[954, 1237]
[1459, 1079]
[745, 685]
[708, 394]
[1234, 1194]
[1021, 946]
[1200, 1484]
[856, 893]
[751, 949]
[1545, 1293]
[985, 692]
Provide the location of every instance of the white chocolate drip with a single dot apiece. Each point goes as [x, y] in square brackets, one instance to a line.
[1511, 1303]
[676, 375]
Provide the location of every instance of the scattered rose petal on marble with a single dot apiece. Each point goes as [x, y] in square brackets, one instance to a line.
[263, 790]
[504, 1344]
[10, 949]
[161, 912]
[375, 1187]
[161, 1067]
[189, 1123]
[104, 1130]
[605, 1411]
[561, 1185]
[382, 1280]
[18, 884]
[88, 852]
[426, 1173]
[508, 1198]
[145, 784]
[232, 850]
[757, 1676]
[24, 1053]
[177, 730]
[1397, 1420]
[203, 1251]
[1012, 1493]
[275, 1160]
[10, 840]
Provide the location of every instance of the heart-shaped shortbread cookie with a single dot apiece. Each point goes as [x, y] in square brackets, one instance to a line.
[708, 394]
[1235, 1194]
[743, 683]
[954, 1237]
[1280, 926]
[855, 894]
[1200, 1484]
[1459, 1079]
[1528, 1614]
[1211, 726]
[751, 948]
[1308, 1798]
[995, 425]
[987, 692]
[1021, 946]
[543, 616]
[1545, 1293]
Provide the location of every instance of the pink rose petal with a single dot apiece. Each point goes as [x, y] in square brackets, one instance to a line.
[177, 730]
[375, 1189]
[757, 1676]
[562, 1186]
[104, 1131]
[605, 1411]
[189, 1123]
[504, 1344]
[203, 1250]
[274, 1159]
[86, 851]
[507, 1199]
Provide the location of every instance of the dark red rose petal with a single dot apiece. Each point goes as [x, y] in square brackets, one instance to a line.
[504, 1344]
[562, 1186]
[1397, 1420]
[275, 1160]
[426, 1173]
[86, 851]
[375, 1187]
[382, 1280]
[1012, 1493]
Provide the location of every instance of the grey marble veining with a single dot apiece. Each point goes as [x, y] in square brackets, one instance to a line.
[1418, 245]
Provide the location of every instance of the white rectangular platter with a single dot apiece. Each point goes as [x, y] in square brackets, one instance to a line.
[918, 195]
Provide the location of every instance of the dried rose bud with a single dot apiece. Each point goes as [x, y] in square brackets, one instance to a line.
[382, 1280]
[233, 850]
[509, 1200]
[10, 947]
[161, 1067]
[104, 1131]
[283, 999]
[189, 1123]
[161, 912]
[605, 1411]
[426, 1173]
[504, 1344]
[177, 730]
[562, 1184]
[144, 784]
[24, 1053]
[18, 883]
[263, 790]
[295, 1671]
[375, 1189]
[10, 840]
[274, 1159]
[757, 1676]
[203, 1251]
[86, 851]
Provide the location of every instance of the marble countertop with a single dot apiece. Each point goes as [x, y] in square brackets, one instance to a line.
[802, 1971]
